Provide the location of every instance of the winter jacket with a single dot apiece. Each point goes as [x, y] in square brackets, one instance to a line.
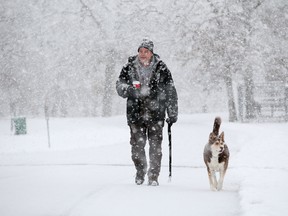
[161, 98]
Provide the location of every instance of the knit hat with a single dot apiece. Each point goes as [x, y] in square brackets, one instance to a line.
[148, 44]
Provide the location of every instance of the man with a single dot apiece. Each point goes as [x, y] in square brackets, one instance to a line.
[147, 84]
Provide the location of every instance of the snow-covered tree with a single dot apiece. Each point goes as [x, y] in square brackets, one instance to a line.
[66, 55]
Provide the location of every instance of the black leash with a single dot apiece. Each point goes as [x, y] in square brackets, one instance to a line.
[170, 151]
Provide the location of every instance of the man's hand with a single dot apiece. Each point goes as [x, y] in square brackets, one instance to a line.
[133, 92]
[171, 120]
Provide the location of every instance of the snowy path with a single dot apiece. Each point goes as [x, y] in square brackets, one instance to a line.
[108, 190]
[88, 171]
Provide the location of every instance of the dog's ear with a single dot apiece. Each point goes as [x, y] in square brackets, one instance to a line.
[222, 136]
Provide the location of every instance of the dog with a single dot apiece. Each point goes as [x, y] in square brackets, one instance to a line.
[216, 156]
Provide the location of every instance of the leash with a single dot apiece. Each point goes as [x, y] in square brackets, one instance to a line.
[170, 151]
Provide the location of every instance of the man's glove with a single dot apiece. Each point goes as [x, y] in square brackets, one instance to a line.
[133, 92]
[171, 120]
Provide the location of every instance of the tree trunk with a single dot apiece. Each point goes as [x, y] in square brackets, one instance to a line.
[109, 85]
[231, 100]
[249, 96]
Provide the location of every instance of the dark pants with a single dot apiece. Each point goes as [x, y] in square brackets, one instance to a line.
[139, 135]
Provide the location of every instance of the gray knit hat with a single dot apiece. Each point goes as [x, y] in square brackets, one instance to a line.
[146, 43]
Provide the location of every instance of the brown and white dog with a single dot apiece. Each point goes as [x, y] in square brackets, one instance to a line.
[216, 156]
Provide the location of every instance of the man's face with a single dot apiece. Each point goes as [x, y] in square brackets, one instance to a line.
[145, 56]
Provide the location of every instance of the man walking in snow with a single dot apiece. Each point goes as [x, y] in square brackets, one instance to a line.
[147, 84]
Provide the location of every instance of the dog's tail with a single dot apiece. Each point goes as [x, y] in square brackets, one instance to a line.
[216, 126]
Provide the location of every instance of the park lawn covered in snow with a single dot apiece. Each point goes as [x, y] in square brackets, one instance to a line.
[88, 170]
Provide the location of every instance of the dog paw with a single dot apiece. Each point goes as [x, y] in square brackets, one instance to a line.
[213, 188]
[219, 187]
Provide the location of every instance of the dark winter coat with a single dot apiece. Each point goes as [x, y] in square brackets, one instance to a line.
[162, 97]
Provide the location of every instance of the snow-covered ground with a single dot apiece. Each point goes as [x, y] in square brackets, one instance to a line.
[88, 170]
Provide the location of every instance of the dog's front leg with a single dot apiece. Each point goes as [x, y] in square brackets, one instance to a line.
[215, 183]
[221, 179]
[212, 180]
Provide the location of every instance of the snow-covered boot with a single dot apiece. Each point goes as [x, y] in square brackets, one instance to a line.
[139, 179]
[153, 180]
